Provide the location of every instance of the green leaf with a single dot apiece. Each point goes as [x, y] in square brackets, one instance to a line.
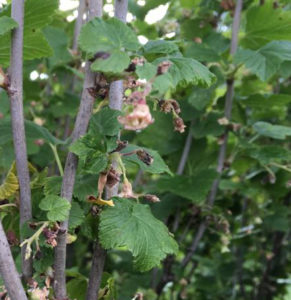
[57, 208]
[84, 185]
[116, 63]
[95, 162]
[259, 101]
[268, 154]
[276, 25]
[110, 36]
[194, 188]
[37, 15]
[77, 216]
[105, 122]
[201, 52]
[158, 166]
[274, 131]
[187, 70]
[7, 24]
[146, 71]
[32, 130]
[207, 126]
[133, 226]
[160, 47]
[266, 61]
[58, 40]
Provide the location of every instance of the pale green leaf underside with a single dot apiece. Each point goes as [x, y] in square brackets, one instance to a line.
[133, 226]
[274, 131]
[266, 61]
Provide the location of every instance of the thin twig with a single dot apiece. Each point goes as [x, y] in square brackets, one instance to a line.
[8, 270]
[81, 125]
[222, 150]
[15, 92]
[115, 102]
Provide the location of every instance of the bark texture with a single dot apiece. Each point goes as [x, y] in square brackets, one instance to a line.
[80, 128]
[15, 91]
[8, 270]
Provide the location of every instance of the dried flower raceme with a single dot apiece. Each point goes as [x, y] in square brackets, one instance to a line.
[113, 178]
[163, 67]
[126, 191]
[51, 236]
[179, 124]
[152, 198]
[170, 105]
[145, 157]
[138, 119]
[120, 146]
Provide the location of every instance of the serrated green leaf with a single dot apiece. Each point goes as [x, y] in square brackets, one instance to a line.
[194, 188]
[276, 25]
[116, 63]
[201, 52]
[37, 15]
[107, 35]
[259, 101]
[146, 71]
[95, 162]
[207, 126]
[160, 47]
[274, 131]
[266, 61]
[6, 24]
[188, 70]
[57, 208]
[158, 166]
[110, 36]
[58, 40]
[268, 154]
[105, 122]
[133, 226]
[77, 216]
[84, 185]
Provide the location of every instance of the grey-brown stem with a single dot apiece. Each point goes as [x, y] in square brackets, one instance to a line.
[80, 128]
[8, 270]
[222, 150]
[115, 102]
[16, 103]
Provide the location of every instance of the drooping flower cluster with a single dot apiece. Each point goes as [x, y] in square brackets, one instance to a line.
[137, 114]
[172, 106]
